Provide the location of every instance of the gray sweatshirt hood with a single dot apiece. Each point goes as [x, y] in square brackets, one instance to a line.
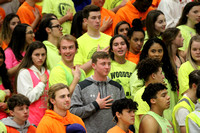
[9, 122]
[197, 106]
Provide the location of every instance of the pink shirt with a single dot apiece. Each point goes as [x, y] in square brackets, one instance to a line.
[11, 61]
[37, 109]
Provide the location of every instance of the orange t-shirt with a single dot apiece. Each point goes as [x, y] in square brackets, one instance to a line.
[132, 57]
[2, 16]
[154, 4]
[128, 13]
[4, 45]
[25, 13]
[107, 13]
[117, 129]
[2, 13]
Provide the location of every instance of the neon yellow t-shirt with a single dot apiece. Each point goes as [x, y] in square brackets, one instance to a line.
[53, 56]
[187, 33]
[121, 73]
[135, 83]
[87, 46]
[110, 4]
[143, 107]
[63, 74]
[60, 8]
[183, 77]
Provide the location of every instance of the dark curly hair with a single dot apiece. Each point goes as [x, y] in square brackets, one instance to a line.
[146, 67]
[121, 104]
[151, 90]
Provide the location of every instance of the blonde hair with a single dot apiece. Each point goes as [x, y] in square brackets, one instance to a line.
[195, 38]
[69, 38]
[52, 90]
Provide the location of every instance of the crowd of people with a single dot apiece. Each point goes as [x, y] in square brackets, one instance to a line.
[97, 66]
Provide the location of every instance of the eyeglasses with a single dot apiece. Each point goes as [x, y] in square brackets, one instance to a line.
[30, 32]
[57, 26]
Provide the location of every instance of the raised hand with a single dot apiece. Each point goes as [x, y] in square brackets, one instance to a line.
[76, 72]
[106, 49]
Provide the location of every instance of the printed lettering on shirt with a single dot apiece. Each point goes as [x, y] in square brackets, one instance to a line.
[63, 8]
[120, 74]
[92, 52]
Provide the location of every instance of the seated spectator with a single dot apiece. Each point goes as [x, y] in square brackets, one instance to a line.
[18, 105]
[58, 119]
[63, 9]
[5, 86]
[65, 72]
[121, 69]
[9, 23]
[32, 80]
[30, 13]
[123, 111]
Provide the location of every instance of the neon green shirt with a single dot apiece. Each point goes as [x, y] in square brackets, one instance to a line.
[121, 73]
[87, 46]
[183, 79]
[63, 74]
[60, 8]
[53, 56]
[110, 4]
[143, 107]
[2, 128]
[135, 83]
[163, 122]
[187, 33]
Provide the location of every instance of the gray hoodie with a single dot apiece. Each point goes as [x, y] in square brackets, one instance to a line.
[9, 122]
[84, 105]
